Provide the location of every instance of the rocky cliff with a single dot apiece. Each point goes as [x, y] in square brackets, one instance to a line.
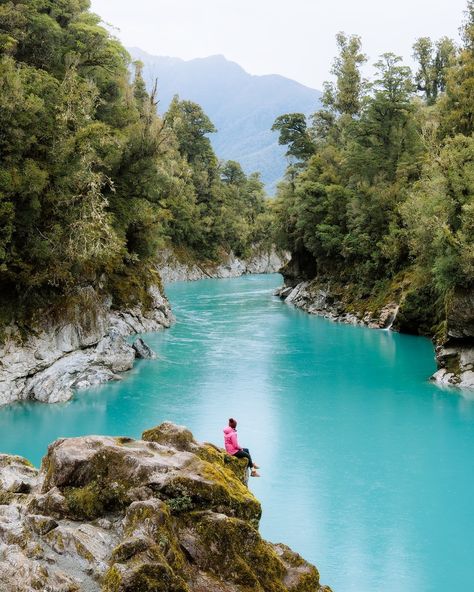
[401, 306]
[80, 344]
[119, 515]
[455, 348]
[180, 265]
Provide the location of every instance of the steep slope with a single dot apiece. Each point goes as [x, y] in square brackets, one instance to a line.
[242, 107]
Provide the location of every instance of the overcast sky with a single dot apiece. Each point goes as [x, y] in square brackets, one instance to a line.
[294, 38]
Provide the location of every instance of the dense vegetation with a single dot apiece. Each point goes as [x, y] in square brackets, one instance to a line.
[380, 191]
[92, 181]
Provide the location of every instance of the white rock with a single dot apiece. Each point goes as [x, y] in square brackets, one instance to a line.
[86, 349]
[172, 268]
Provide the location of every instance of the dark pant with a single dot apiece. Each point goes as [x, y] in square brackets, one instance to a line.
[244, 453]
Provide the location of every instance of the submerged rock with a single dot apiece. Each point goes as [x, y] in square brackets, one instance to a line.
[165, 513]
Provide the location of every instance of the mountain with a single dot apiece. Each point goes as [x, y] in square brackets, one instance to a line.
[243, 107]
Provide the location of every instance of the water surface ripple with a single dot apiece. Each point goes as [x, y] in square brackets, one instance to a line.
[366, 466]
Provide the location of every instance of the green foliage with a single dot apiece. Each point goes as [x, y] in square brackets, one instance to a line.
[390, 186]
[294, 134]
[434, 61]
[92, 181]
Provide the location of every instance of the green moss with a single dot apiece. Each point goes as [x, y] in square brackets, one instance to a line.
[168, 434]
[156, 525]
[112, 580]
[121, 440]
[8, 460]
[6, 497]
[420, 311]
[216, 489]
[83, 552]
[452, 364]
[129, 286]
[213, 455]
[94, 499]
[182, 503]
[155, 577]
[55, 539]
[129, 548]
[234, 551]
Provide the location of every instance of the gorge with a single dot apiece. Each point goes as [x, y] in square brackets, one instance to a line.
[363, 459]
[138, 289]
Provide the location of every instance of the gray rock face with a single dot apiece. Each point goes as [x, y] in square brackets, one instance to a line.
[143, 350]
[165, 513]
[456, 366]
[84, 347]
[460, 315]
[311, 297]
[455, 356]
[173, 267]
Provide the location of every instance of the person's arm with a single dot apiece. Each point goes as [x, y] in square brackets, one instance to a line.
[235, 441]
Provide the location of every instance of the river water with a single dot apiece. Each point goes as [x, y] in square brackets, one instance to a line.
[367, 468]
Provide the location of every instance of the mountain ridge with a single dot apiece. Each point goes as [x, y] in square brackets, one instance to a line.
[242, 106]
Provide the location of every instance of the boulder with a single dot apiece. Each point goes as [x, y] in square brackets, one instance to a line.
[165, 513]
[143, 350]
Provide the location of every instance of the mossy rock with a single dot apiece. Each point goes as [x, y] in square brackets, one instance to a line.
[94, 500]
[234, 552]
[169, 434]
[209, 486]
[151, 520]
[420, 312]
[143, 577]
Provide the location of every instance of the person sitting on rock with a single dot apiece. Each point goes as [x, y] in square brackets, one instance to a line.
[232, 447]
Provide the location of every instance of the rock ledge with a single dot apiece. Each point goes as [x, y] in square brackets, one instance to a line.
[161, 514]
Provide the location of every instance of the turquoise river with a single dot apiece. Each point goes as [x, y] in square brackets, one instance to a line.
[367, 468]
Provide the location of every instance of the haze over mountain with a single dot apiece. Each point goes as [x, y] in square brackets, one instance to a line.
[243, 107]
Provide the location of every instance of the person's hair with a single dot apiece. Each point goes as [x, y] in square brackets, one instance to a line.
[232, 423]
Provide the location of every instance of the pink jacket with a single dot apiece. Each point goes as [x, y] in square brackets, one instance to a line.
[230, 440]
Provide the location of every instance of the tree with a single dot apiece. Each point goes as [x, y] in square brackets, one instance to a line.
[294, 134]
[433, 63]
[346, 95]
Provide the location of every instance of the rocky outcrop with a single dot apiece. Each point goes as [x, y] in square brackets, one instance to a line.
[455, 350]
[143, 350]
[164, 513]
[313, 298]
[79, 346]
[180, 265]
[404, 308]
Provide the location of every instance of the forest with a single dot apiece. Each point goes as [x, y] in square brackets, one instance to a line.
[92, 180]
[379, 194]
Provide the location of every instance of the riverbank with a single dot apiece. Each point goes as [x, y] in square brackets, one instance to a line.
[82, 342]
[77, 345]
[401, 306]
[176, 265]
[350, 401]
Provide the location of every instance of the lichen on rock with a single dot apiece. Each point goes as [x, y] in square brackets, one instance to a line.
[165, 513]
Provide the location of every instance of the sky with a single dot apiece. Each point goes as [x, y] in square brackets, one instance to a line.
[294, 38]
